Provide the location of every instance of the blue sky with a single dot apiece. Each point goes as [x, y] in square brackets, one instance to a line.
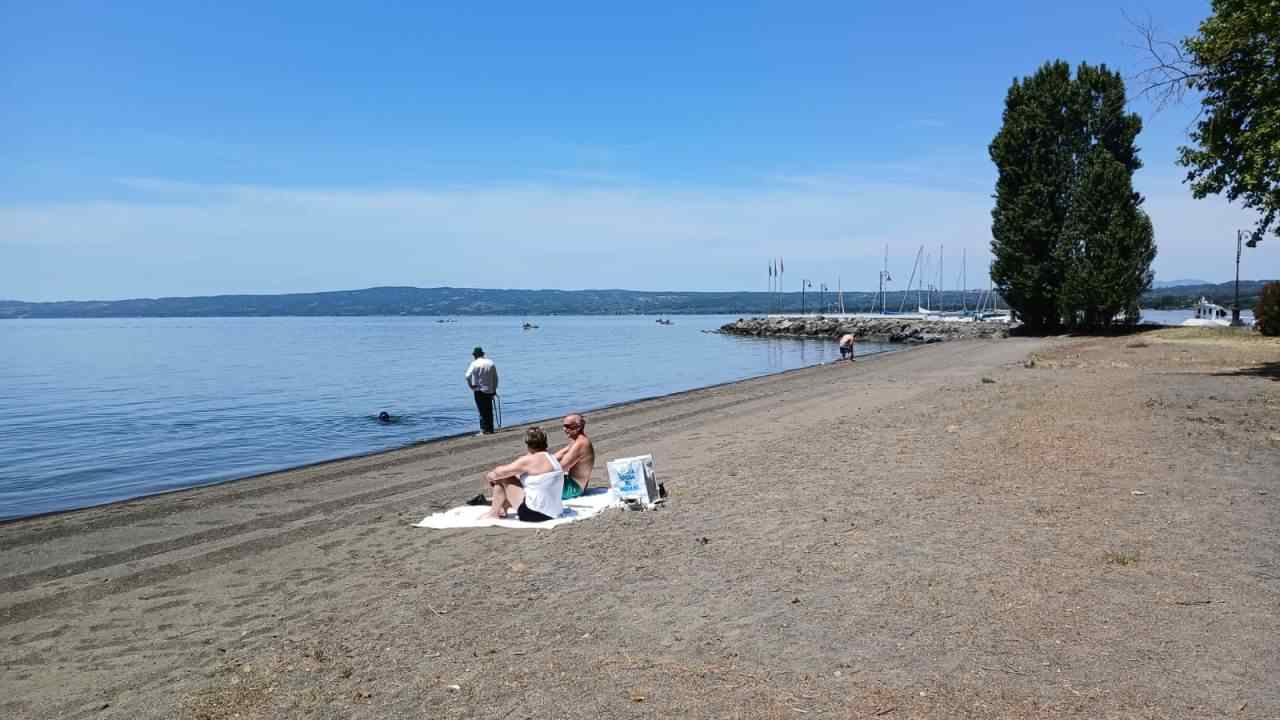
[151, 149]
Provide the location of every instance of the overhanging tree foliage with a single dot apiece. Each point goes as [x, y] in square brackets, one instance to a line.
[1234, 64]
[1267, 311]
[1070, 241]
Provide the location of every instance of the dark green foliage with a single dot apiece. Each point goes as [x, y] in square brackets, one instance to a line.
[1106, 246]
[1267, 312]
[1236, 60]
[1066, 217]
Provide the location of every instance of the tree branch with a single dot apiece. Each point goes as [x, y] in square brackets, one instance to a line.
[1168, 74]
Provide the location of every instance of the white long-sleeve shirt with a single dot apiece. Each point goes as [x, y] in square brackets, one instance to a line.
[482, 375]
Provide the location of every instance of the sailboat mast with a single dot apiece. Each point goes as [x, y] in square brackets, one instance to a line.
[884, 273]
[924, 272]
[942, 298]
[879, 293]
[991, 288]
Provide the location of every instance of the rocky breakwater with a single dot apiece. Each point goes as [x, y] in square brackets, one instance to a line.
[880, 329]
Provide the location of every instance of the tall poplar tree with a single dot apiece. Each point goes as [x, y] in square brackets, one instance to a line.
[1106, 248]
[1067, 143]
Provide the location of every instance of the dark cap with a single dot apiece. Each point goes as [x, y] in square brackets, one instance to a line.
[477, 352]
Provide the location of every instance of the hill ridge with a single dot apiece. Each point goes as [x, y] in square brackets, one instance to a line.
[448, 300]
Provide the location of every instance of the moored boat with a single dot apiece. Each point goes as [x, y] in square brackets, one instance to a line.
[1209, 315]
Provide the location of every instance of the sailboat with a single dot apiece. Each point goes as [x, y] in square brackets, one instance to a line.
[995, 314]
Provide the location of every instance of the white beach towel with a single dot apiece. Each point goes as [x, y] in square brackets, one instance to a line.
[592, 502]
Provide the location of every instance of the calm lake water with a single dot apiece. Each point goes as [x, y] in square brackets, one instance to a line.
[98, 410]
[1175, 317]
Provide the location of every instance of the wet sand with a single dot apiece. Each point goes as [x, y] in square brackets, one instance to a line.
[1011, 528]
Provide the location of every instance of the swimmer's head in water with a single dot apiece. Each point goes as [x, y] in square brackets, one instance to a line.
[384, 416]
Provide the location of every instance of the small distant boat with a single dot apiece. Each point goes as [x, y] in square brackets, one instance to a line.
[528, 326]
[994, 316]
[1209, 315]
[661, 321]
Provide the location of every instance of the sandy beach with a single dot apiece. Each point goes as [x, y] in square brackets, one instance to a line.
[1063, 527]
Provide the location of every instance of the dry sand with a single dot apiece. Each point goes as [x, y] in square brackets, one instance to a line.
[948, 532]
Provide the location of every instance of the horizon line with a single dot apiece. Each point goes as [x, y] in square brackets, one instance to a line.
[810, 291]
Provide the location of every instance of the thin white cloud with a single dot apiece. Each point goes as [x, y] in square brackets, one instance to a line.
[175, 238]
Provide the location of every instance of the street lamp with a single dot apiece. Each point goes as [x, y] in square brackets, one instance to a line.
[803, 284]
[1254, 239]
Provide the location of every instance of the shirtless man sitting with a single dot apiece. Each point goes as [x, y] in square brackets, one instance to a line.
[531, 483]
[577, 458]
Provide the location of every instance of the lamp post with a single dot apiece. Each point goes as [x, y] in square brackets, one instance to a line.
[803, 284]
[884, 278]
[1240, 245]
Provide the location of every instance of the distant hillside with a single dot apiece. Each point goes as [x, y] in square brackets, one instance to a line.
[1162, 284]
[474, 301]
[456, 301]
[1184, 296]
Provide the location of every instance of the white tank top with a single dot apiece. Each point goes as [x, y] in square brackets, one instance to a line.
[542, 492]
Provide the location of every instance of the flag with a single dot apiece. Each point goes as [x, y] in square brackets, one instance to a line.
[781, 266]
[770, 268]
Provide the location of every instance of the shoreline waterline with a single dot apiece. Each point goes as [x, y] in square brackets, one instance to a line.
[425, 443]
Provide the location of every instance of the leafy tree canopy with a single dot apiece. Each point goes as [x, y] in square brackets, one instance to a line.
[1267, 311]
[1238, 137]
[1070, 241]
[1233, 63]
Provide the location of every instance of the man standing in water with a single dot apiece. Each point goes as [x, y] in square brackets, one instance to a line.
[577, 458]
[846, 347]
[482, 378]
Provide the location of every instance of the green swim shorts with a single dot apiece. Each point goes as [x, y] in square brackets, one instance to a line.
[571, 489]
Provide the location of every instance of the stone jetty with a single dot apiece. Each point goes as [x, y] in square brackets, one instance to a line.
[881, 329]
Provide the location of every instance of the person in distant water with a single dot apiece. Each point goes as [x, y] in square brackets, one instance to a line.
[846, 347]
[482, 378]
[577, 458]
[384, 416]
[531, 483]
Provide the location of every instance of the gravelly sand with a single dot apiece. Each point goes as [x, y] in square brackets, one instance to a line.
[896, 538]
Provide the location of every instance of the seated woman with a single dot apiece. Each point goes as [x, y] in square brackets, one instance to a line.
[531, 483]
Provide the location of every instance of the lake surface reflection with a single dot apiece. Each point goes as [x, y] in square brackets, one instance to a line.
[105, 409]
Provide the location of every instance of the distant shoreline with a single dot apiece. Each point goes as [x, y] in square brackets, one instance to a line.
[476, 302]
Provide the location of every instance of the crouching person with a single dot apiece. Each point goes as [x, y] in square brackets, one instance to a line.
[531, 484]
